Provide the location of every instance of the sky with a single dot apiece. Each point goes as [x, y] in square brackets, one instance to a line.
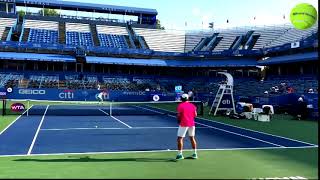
[197, 14]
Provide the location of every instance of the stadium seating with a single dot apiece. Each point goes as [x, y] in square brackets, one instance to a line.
[42, 31]
[166, 41]
[5, 25]
[113, 41]
[85, 82]
[43, 81]
[242, 87]
[121, 80]
[228, 37]
[43, 36]
[163, 40]
[10, 79]
[193, 38]
[300, 84]
[78, 34]
[293, 35]
[268, 34]
[112, 36]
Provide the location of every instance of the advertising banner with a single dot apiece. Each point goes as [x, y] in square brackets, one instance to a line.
[86, 95]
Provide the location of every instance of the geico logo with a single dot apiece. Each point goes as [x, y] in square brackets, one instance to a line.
[66, 95]
[226, 102]
[30, 91]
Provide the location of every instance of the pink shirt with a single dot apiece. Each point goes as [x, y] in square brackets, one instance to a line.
[186, 114]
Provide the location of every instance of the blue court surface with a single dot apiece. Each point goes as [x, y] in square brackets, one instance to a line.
[48, 134]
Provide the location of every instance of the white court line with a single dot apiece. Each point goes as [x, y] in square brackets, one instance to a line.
[223, 130]
[241, 135]
[228, 131]
[159, 151]
[213, 121]
[238, 134]
[115, 118]
[36, 135]
[121, 121]
[260, 132]
[15, 120]
[69, 129]
[104, 112]
[149, 110]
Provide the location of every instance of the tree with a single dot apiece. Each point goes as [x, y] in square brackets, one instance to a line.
[158, 25]
[49, 12]
[22, 13]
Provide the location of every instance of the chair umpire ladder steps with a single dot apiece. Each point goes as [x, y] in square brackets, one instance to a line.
[224, 89]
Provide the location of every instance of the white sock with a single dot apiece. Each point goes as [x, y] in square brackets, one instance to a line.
[195, 151]
[180, 152]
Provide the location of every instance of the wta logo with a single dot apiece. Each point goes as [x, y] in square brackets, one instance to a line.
[17, 107]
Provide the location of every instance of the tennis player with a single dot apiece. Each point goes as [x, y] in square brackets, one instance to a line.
[100, 96]
[186, 115]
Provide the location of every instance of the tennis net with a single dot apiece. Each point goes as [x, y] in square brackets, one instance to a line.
[87, 108]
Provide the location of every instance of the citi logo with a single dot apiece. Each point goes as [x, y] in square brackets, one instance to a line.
[17, 107]
[66, 95]
[226, 101]
[32, 91]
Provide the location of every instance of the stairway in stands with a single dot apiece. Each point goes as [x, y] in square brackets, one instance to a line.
[136, 41]
[143, 42]
[62, 32]
[94, 32]
[5, 34]
[25, 34]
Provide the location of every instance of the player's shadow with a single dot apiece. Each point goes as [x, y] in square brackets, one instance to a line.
[89, 159]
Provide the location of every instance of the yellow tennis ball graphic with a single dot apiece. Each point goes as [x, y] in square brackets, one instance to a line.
[303, 16]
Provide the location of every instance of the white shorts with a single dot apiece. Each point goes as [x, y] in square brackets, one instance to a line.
[100, 98]
[183, 130]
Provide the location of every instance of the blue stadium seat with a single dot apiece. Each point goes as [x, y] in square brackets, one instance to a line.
[43, 36]
[79, 38]
[113, 41]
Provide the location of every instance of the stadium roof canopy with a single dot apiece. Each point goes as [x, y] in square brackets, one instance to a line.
[89, 7]
[301, 57]
[36, 57]
[246, 62]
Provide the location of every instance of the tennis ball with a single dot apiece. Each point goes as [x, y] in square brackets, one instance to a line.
[303, 16]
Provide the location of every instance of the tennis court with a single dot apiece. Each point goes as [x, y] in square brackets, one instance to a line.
[64, 127]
